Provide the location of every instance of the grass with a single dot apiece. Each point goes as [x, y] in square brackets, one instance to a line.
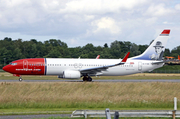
[59, 97]
[96, 95]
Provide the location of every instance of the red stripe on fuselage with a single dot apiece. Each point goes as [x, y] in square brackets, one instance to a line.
[34, 66]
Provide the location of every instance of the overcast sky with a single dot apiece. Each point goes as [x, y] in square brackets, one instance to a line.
[78, 22]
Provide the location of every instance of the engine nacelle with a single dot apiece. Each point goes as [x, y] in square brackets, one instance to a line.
[69, 74]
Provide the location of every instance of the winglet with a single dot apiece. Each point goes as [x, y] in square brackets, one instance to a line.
[125, 58]
[98, 57]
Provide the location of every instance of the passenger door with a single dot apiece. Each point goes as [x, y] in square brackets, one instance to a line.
[25, 64]
[140, 66]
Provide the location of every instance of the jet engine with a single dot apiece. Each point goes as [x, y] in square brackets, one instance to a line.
[69, 74]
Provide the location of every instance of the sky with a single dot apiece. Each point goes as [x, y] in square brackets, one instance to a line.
[79, 22]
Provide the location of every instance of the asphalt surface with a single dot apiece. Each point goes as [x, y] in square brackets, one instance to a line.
[120, 80]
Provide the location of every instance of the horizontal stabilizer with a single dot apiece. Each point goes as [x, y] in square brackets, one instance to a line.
[158, 62]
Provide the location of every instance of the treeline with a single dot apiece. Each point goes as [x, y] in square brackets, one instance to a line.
[11, 50]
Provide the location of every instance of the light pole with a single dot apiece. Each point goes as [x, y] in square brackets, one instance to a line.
[4, 61]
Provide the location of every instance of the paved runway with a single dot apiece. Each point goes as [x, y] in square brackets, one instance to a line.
[120, 80]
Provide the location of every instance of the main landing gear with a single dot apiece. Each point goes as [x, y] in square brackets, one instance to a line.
[87, 78]
[20, 79]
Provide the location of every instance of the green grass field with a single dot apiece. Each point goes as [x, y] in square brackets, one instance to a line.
[69, 96]
[65, 97]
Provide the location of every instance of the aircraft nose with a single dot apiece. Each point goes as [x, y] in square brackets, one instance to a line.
[5, 68]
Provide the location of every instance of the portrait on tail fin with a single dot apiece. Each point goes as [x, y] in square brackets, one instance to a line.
[156, 49]
[159, 49]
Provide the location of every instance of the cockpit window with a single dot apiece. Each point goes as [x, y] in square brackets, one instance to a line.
[13, 63]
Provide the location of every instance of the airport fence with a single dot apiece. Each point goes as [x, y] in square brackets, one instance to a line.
[128, 113]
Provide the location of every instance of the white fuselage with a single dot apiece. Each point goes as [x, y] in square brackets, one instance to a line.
[56, 66]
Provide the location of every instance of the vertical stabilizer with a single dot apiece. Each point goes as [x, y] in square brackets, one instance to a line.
[156, 50]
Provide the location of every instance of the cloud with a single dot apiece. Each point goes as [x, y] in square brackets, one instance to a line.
[78, 22]
[99, 6]
[106, 23]
[159, 10]
[177, 7]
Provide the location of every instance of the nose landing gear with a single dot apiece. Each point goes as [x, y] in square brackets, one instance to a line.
[20, 79]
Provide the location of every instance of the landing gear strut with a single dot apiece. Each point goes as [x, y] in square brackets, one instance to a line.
[87, 78]
[20, 79]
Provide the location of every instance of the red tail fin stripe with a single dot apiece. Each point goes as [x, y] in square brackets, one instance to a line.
[166, 31]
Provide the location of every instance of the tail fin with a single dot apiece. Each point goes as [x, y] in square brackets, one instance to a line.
[98, 57]
[156, 50]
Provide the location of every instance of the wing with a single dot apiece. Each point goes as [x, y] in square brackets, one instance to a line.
[94, 70]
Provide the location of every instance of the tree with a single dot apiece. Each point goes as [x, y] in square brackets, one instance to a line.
[88, 50]
[34, 41]
[53, 54]
[106, 53]
[142, 48]
[167, 52]
[105, 45]
[17, 54]
[55, 43]
[75, 52]
[7, 39]
[115, 49]
[17, 49]
[134, 50]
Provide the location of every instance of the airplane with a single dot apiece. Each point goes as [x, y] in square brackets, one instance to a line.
[67, 68]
